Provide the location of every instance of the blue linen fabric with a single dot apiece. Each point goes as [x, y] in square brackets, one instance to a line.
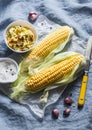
[76, 13]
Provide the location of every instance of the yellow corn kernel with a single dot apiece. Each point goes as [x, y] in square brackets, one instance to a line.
[52, 74]
[52, 41]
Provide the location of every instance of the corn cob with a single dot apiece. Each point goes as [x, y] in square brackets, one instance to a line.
[52, 41]
[57, 38]
[52, 74]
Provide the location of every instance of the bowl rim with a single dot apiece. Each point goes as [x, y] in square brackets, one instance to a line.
[31, 26]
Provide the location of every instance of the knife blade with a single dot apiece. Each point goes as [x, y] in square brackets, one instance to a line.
[81, 99]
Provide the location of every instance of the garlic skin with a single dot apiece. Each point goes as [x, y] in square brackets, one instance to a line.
[33, 15]
[68, 101]
[55, 113]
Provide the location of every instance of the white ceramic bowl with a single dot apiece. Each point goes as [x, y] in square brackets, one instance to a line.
[9, 70]
[24, 24]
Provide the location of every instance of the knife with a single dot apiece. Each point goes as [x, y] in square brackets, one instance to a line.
[81, 99]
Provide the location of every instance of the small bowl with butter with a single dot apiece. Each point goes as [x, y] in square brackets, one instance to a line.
[20, 36]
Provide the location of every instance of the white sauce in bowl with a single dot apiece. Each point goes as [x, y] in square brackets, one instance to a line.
[8, 70]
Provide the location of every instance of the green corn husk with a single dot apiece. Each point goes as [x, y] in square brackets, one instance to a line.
[20, 90]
